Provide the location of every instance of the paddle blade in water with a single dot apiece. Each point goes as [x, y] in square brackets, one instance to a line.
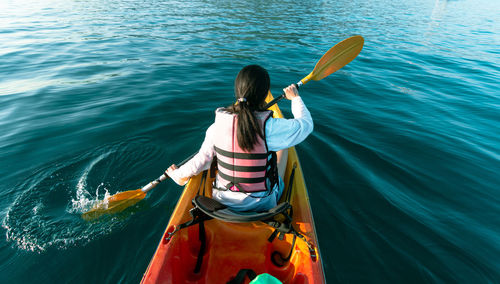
[337, 57]
[115, 203]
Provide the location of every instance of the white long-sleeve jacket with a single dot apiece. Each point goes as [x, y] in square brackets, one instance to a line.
[280, 134]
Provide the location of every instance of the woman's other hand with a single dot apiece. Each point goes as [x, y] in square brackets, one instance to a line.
[173, 174]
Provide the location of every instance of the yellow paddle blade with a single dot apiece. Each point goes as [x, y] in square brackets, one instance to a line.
[335, 58]
[115, 203]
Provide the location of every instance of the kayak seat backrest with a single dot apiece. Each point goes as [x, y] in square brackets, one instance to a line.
[219, 211]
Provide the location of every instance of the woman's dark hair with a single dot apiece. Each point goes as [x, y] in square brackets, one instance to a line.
[250, 87]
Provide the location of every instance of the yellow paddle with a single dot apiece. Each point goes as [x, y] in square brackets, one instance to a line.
[334, 59]
[122, 200]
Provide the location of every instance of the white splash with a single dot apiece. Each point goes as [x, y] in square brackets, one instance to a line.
[84, 201]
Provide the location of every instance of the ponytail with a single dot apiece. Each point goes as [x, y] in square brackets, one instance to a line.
[248, 127]
[251, 87]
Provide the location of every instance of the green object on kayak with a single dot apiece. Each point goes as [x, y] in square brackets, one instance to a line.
[265, 279]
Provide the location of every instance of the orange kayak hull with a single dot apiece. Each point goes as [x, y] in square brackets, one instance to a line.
[230, 247]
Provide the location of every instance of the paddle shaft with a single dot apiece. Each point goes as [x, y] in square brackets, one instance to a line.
[282, 96]
[164, 176]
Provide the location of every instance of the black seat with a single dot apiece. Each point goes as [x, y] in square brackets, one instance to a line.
[219, 211]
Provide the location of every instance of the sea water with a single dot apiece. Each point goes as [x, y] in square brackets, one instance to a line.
[101, 96]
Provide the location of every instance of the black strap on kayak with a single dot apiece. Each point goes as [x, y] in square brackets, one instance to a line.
[278, 259]
[240, 277]
[197, 216]
[285, 226]
[272, 172]
[290, 184]
[201, 252]
[213, 167]
[201, 225]
[202, 183]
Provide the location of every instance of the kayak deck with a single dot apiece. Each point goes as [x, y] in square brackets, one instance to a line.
[229, 247]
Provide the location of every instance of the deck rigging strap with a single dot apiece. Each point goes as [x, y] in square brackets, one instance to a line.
[201, 252]
[240, 277]
[201, 229]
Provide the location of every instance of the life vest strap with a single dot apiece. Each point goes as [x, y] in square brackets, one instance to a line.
[242, 168]
[237, 155]
[240, 179]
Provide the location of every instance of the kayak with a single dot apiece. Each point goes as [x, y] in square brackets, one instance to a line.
[215, 250]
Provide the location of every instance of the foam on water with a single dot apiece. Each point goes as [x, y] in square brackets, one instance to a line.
[48, 212]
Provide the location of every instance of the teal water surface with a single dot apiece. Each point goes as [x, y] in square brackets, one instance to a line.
[101, 96]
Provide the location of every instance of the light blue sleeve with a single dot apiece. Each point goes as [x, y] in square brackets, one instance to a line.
[284, 133]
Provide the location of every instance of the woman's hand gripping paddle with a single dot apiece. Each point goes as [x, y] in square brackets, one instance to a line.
[122, 200]
[334, 59]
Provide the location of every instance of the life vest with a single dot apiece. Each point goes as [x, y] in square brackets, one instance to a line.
[240, 170]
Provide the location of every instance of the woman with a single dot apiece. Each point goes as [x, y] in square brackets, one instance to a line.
[250, 145]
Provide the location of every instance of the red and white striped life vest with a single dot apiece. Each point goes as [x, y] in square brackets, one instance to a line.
[240, 170]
